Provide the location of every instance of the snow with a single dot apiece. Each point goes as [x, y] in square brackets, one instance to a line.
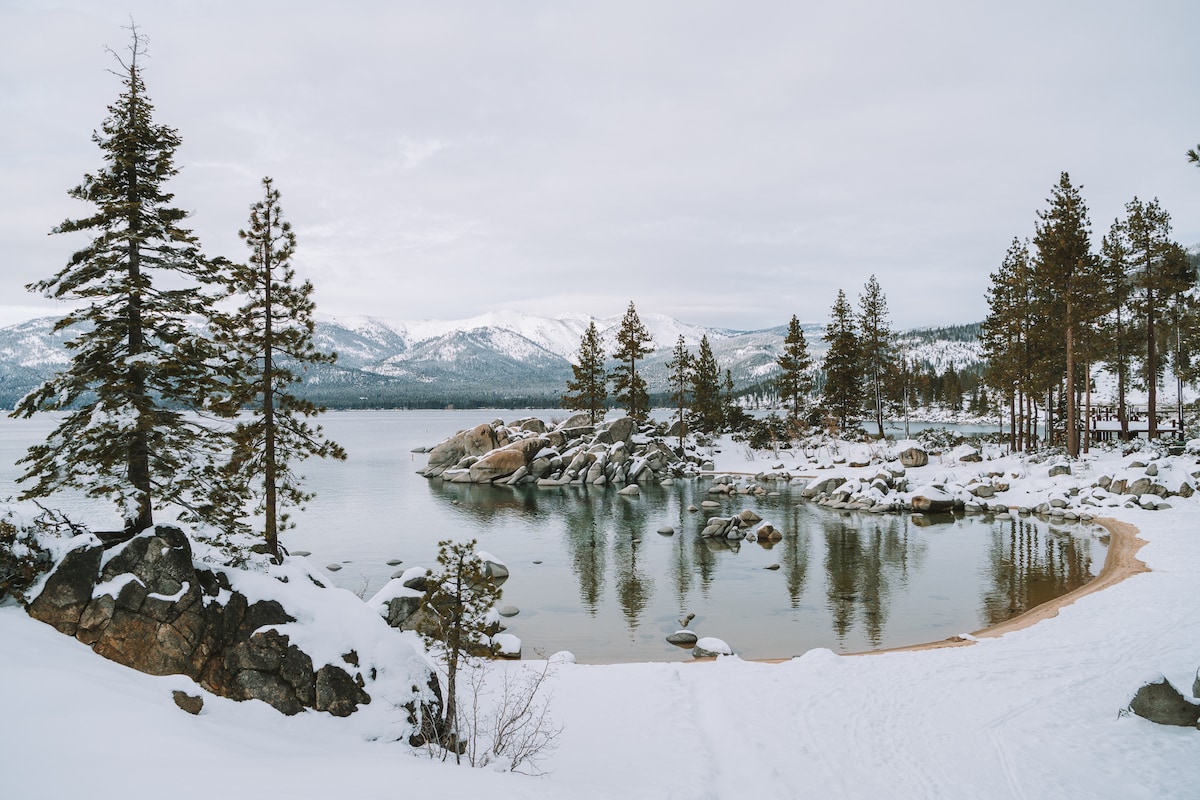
[1034, 713]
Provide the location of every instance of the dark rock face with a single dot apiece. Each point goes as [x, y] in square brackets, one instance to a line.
[68, 590]
[146, 608]
[1162, 703]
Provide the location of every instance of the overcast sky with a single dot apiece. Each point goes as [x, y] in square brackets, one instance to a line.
[726, 163]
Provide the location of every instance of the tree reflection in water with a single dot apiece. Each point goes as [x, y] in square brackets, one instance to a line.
[865, 557]
[634, 586]
[794, 558]
[1031, 563]
[587, 547]
[873, 589]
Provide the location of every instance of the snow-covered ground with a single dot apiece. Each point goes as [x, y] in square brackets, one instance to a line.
[1034, 713]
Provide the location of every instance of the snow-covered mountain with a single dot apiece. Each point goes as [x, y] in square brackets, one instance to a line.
[499, 358]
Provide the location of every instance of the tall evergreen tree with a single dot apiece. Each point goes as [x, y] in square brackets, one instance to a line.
[875, 346]
[706, 390]
[633, 343]
[1159, 271]
[1008, 335]
[1117, 329]
[794, 383]
[843, 376]
[588, 390]
[136, 365]
[265, 342]
[1066, 272]
[679, 371]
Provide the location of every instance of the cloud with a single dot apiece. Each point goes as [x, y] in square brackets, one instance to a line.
[739, 163]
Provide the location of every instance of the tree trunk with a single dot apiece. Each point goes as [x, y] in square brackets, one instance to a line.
[1072, 430]
[1151, 366]
[1087, 412]
[139, 446]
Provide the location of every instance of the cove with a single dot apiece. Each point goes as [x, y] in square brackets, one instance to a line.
[591, 574]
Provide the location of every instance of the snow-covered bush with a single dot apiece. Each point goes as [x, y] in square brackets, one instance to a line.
[939, 439]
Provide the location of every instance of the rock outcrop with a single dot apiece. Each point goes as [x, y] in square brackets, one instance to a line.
[528, 452]
[145, 604]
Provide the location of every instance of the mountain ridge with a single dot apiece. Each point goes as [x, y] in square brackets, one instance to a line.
[498, 358]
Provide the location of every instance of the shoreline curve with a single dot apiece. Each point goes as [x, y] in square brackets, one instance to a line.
[1120, 563]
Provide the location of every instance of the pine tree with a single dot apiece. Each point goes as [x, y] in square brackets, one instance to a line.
[1159, 271]
[794, 383]
[707, 415]
[136, 366]
[843, 378]
[459, 595]
[1005, 337]
[633, 343]
[679, 370]
[265, 342]
[1116, 330]
[1066, 272]
[874, 346]
[588, 391]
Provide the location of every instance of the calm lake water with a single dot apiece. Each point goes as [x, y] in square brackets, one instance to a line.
[591, 574]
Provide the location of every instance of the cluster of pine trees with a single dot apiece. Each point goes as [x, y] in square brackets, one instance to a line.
[863, 367]
[1058, 306]
[170, 399]
[703, 400]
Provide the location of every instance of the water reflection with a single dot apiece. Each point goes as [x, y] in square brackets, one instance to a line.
[1030, 563]
[873, 588]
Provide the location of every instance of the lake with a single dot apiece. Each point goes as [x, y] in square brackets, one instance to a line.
[590, 573]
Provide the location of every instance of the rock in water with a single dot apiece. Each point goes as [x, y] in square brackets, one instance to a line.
[683, 638]
[710, 647]
[1161, 702]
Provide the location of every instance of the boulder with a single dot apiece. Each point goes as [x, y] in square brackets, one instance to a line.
[683, 638]
[621, 429]
[1159, 701]
[531, 424]
[580, 420]
[914, 457]
[68, 589]
[768, 533]
[479, 440]
[192, 704]
[711, 647]
[1059, 469]
[1139, 487]
[931, 500]
[337, 693]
